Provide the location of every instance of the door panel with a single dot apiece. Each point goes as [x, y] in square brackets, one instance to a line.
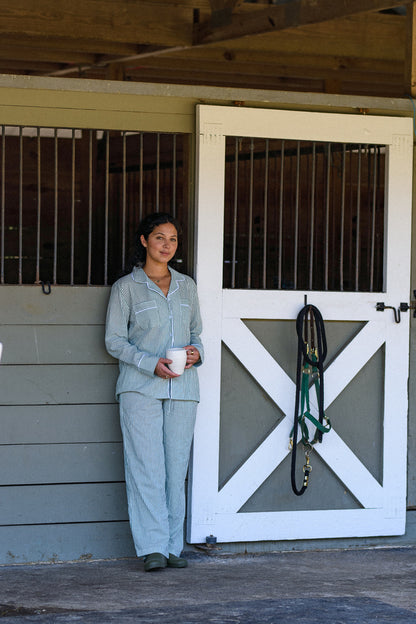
[358, 485]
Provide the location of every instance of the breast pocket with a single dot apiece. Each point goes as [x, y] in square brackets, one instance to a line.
[146, 314]
[185, 308]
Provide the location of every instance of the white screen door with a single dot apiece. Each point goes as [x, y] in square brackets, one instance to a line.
[220, 506]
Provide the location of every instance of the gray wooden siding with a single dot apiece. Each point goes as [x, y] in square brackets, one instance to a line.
[62, 493]
[57, 542]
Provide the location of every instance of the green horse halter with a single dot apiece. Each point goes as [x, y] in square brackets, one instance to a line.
[312, 351]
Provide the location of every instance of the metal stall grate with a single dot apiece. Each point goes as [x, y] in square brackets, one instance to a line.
[303, 215]
[71, 200]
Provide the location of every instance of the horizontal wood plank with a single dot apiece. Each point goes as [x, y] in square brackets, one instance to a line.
[57, 424]
[59, 44]
[21, 53]
[25, 464]
[66, 305]
[119, 20]
[43, 504]
[65, 542]
[277, 67]
[57, 384]
[239, 81]
[54, 344]
[238, 59]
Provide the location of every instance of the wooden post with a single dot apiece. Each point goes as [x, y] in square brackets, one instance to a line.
[116, 71]
[410, 51]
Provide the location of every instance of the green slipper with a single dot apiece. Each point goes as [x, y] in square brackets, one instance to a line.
[176, 562]
[154, 561]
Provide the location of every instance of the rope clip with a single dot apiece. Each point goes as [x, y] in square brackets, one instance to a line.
[307, 468]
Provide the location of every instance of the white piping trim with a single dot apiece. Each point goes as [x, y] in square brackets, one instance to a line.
[144, 309]
[177, 280]
[137, 280]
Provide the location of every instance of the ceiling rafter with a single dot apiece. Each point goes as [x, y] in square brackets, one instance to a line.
[341, 46]
[295, 13]
[285, 16]
[138, 22]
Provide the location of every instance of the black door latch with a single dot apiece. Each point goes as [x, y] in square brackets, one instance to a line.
[403, 307]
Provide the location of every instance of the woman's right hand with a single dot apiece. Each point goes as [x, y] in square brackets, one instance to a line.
[162, 369]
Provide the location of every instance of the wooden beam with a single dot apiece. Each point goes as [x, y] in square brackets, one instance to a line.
[263, 81]
[106, 20]
[26, 67]
[256, 81]
[331, 70]
[66, 45]
[282, 65]
[288, 15]
[30, 54]
[410, 55]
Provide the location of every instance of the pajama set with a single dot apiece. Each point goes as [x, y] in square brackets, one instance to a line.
[157, 415]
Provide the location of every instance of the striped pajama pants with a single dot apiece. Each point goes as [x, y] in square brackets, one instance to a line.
[157, 438]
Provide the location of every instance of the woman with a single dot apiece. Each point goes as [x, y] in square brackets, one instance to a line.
[151, 309]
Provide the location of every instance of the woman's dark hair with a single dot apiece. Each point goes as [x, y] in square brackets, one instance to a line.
[146, 226]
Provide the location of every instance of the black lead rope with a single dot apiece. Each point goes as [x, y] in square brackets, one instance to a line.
[312, 351]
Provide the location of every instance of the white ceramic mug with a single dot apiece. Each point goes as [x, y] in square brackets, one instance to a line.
[178, 357]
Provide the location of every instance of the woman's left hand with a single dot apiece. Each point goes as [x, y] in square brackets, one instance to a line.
[192, 356]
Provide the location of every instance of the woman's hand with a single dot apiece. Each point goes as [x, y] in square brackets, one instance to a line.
[192, 356]
[162, 369]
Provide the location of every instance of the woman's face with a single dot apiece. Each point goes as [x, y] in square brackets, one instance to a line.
[162, 243]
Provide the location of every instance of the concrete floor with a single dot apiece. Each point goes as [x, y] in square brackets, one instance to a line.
[368, 586]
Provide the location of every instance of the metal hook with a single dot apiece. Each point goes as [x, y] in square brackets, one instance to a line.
[381, 306]
[46, 287]
[397, 316]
